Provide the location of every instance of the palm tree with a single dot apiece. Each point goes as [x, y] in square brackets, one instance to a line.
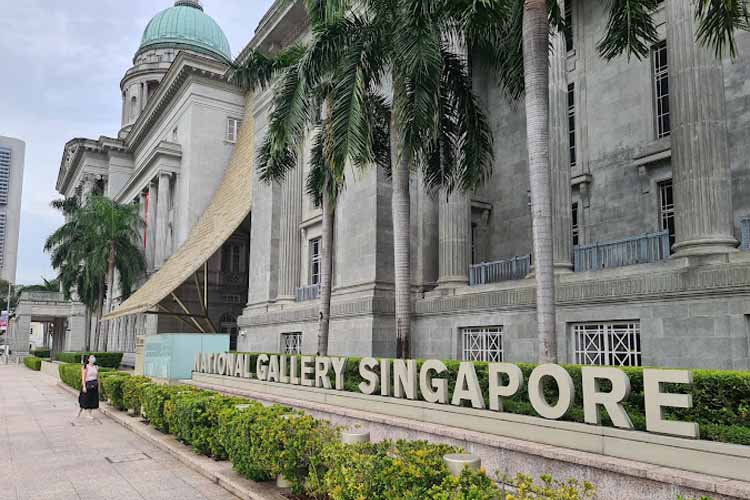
[388, 55]
[511, 37]
[98, 239]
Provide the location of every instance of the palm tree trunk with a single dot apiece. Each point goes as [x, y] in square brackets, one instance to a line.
[536, 76]
[87, 330]
[326, 277]
[401, 208]
[98, 326]
[110, 290]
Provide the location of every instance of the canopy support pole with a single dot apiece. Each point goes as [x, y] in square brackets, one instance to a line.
[187, 311]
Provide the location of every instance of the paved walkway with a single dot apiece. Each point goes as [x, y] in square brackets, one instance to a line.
[47, 454]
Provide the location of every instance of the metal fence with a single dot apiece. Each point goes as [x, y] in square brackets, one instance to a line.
[745, 234]
[305, 293]
[502, 270]
[636, 250]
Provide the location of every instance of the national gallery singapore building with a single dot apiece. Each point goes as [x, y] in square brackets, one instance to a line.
[651, 224]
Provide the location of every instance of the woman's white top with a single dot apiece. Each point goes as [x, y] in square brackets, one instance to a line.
[92, 373]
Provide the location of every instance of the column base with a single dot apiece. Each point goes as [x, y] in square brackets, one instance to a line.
[558, 267]
[452, 282]
[286, 300]
[705, 247]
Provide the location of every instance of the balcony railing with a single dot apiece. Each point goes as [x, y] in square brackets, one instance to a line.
[641, 249]
[305, 293]
[502, 270]
[745, 234]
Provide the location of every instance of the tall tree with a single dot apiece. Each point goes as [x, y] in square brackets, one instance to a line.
[511, 37]
[98, 239]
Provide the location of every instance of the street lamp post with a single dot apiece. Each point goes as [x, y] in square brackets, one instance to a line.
[7, 326]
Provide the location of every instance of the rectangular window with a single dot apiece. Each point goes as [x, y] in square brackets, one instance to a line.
[315, 261]
[666, 209]
[2, 240]
[572, 123]
[661, 90]
[482, 344]
[608, 344]
[5, 157]
[233, 129]
[569, 25]
[576, 233]
[291, 343]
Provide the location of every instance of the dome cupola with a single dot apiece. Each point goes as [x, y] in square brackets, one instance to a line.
[186, 25]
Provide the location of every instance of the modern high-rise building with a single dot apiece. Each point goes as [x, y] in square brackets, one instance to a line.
[12, 152]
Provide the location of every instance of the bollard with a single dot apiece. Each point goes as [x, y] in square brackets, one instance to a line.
[355, 436]
[457, 461]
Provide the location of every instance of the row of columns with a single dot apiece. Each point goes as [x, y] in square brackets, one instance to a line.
[155, 200]
[700, 158]
[123, 332]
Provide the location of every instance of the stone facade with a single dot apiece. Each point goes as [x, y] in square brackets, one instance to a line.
[641, 158]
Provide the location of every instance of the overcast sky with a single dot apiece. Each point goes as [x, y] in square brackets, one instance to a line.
[60, 68]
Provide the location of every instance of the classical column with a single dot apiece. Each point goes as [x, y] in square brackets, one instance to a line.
[455, 239]
[700, 152]
[290, 243]
[153, 195]
[559, 155]
[162, 218]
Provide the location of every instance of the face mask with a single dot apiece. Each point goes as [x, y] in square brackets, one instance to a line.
[93, 359]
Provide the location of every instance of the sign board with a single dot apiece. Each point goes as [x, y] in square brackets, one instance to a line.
[3, 321]
[400, 378]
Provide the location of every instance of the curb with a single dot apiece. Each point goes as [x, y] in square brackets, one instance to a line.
[220, 473]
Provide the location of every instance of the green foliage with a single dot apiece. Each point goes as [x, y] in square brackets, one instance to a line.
[33, 363]
[154, 398]
[680, 497]
[384, 471]
[132, 392]
[242, 437]
[103, 359]
[41, 353]
[471, 485]
[548, 489]
[112, 389]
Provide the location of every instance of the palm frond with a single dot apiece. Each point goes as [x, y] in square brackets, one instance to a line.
[630, 29]
[259, 70]
[718, 23]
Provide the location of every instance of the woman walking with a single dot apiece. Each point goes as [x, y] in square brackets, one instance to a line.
[88, 399]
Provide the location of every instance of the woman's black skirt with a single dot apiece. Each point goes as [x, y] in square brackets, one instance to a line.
[89, 400]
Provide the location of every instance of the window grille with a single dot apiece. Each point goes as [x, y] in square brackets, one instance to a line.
[666, 209]
[576, 230]
[569, 25]
[5, 156]
[608, 344]
[572, 123]
[483, 343]
[233, 129]
[291, 343]
[315, 261]
[661, 90]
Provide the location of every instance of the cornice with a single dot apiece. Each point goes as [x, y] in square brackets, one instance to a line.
[285, 18]
[164, 149]
[77, 147]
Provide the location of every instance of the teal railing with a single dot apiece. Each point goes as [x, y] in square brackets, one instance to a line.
[642, 249]
[516, 268]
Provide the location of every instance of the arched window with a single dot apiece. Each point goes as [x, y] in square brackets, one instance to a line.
[231, 258]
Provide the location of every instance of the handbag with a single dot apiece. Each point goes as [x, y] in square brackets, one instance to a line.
[92, 385]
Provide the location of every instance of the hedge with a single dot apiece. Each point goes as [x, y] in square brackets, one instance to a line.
[103, 359]
[112, 389]
[33, 362]
[41, 353]
[263, 442]
[70, 374]
[721, 399]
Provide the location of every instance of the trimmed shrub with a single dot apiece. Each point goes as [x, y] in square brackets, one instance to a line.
[387, 470]
[33, 363]
[132, 392]
[155, 396]
[471, 485]
[550, 488]
[112, 388]
[103, 359]
[41, 353]
[242, 437]
[70, 374]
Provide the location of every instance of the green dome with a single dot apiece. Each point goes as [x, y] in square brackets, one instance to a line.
[186, 24]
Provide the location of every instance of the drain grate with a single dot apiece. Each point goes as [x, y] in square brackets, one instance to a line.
[130, 457]
[81, 423]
